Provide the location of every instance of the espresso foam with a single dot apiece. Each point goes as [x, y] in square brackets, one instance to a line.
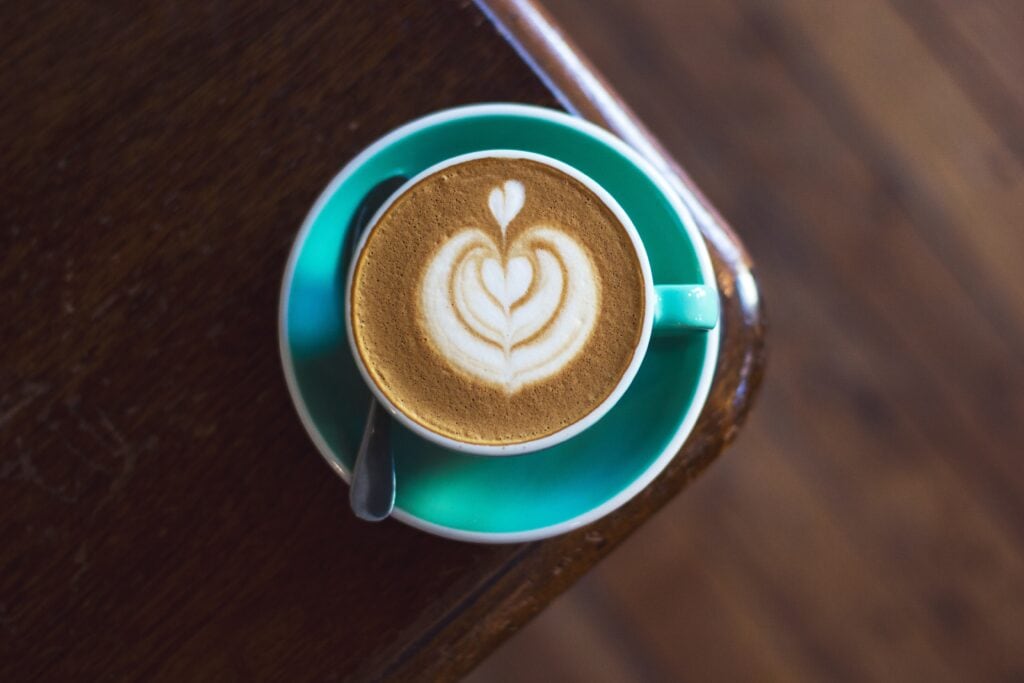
[510, 315]
[497, 301]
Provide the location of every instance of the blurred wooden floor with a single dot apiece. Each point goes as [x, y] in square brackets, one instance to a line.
[868, 525]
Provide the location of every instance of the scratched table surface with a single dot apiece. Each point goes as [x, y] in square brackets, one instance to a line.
[163, 514]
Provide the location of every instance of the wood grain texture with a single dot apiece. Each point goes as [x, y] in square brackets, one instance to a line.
[164, 515]
[868, 524]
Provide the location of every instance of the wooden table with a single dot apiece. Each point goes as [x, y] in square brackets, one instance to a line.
[163, 514]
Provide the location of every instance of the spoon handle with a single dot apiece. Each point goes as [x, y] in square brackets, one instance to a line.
[372, 493]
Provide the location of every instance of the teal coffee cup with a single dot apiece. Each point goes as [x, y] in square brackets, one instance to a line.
[669, 309]
[552, 485]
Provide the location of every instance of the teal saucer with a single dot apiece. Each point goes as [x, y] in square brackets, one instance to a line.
[514, 498]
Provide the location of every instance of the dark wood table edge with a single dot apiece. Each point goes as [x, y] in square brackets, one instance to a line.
[537, 572]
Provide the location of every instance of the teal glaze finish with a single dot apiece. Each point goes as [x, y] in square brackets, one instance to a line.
[685, 308]
[516, 498]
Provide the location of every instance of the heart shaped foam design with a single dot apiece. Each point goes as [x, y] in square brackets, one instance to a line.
[507, 284]
[514, 318]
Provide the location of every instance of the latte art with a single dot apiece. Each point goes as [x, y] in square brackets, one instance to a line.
[511, 316]
[496, 300]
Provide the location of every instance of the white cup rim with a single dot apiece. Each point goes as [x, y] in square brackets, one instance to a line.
[568, 432]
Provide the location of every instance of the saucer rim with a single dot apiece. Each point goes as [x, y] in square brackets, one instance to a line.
[703, 387]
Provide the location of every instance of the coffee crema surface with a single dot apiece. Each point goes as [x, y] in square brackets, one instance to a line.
[497, 301]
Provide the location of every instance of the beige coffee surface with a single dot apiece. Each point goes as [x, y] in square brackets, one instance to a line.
[493, 334]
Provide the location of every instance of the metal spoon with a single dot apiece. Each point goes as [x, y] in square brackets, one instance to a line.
[372, 489]
[372, 492]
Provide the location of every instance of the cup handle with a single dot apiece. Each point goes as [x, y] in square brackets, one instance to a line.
[681, 308]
